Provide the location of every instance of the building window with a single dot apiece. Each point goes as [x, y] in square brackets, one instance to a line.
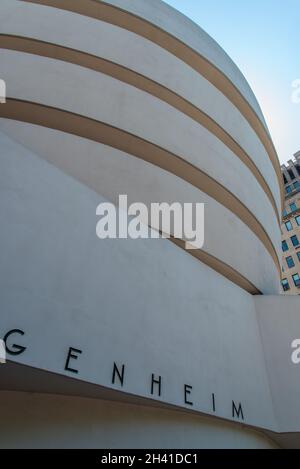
[297, 185]
[295, 240]
[288, 189]
[293, 206]
[284, 179]
[298, 220]
[285, 213]
[298, 254]
[291, 174]
[289, 225]
[296, 279]
[285, 284]
[298, 169]
[290, 262]
[285, 246]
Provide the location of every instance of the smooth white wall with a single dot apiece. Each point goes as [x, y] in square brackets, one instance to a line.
[145, 303]
[180, 26]
[98, 96]
[279, 320]
[111, 172]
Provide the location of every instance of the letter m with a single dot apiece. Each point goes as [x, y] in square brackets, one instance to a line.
[237, 412]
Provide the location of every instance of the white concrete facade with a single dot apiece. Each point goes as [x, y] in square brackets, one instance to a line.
[177, 344]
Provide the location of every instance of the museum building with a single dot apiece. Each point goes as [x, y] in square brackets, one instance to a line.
[137, 343]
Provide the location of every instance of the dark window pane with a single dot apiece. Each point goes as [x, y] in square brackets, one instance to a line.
[296, 279]
[292, 176]
[297, 185]
[295, 240]
[290, 262]
[289, 225]
[288, 189]
[285, 246]
[285, 284]
[293, 206]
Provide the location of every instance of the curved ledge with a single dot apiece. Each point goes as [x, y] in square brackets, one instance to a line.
[143, 83]
[75, 124]
[220, 267]
[124, 19]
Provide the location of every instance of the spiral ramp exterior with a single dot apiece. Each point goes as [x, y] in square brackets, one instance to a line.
[131, 97]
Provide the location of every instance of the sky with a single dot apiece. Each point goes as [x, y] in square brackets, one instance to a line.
[263, 38]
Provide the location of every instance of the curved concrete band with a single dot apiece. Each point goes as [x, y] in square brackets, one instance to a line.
[106, 41]
[130, 97]
[100, 132]
[158, 104]
[131, 20]
[103, 168]
[114, 70]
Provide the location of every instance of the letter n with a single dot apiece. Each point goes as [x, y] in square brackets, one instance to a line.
[119, 374]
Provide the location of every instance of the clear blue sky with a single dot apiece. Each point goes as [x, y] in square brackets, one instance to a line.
[263, 39]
